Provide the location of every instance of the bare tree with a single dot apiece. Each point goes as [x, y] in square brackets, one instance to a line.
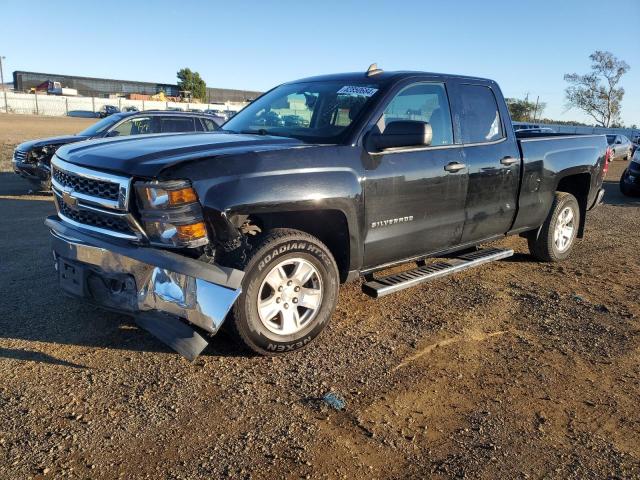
[595, 93]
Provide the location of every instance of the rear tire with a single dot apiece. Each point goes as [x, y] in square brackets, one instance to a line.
[554, 240]
[625, 189]
[289, 292]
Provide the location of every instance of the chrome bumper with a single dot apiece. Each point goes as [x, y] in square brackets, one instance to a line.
[144, 281]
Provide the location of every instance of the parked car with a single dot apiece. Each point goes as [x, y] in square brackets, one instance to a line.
[620, 146]
[536, 130]
[267, 220]
[630, 179]
[218, 115]
[294, 121]
[31, 159]
[107, 110]
[269, 118]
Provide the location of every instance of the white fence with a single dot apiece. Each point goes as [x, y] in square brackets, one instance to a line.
[42, 104]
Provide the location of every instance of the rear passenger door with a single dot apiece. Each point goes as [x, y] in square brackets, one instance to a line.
[492, 157]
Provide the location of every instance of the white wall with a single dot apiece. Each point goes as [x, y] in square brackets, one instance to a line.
[41, 104]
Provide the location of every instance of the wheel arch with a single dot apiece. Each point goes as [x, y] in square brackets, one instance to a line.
[578, 185]
[330, 226]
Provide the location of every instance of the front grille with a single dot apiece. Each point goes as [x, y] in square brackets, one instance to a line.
[20, 156]
[95, 219]
[87, 186]
[96, 200]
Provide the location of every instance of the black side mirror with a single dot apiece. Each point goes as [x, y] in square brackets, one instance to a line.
[403, 133]
[113, 133]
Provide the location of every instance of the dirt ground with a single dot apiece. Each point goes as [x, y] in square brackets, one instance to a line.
[518, 369]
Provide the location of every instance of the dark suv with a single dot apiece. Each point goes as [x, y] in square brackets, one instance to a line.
[31, 159]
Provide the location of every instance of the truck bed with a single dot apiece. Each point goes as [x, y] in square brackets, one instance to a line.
[546, 159]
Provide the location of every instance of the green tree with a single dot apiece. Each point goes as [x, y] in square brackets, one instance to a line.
[191, 82]
[524, 110]
[597, 93]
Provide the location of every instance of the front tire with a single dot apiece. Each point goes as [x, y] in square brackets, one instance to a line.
[554, 240]
[289, 292]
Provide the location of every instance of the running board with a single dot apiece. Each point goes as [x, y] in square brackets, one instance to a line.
[379, 287]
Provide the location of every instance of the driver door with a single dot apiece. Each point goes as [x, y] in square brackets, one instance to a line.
[414, 201]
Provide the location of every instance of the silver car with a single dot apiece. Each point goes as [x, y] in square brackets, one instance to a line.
[621, 147]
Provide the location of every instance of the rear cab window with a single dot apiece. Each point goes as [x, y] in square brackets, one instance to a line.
[478, 117]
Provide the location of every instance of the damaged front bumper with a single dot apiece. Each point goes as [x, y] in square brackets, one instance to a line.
[168, 294]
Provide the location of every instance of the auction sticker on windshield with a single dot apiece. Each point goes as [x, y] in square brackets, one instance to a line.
[352, 90]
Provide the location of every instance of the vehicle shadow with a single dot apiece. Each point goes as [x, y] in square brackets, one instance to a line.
[33, 356]
[613, 195]
[12, 184]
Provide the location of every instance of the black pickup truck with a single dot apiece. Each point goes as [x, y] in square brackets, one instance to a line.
[263, 220]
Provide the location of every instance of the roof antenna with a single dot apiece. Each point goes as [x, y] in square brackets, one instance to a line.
[373, 70]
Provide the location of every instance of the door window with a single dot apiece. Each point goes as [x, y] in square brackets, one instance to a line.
[424, 102]
[208, 125]
[134, 126]
[176, 124]
[479, 115]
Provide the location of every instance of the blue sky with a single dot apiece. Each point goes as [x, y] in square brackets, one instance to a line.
[525, 46]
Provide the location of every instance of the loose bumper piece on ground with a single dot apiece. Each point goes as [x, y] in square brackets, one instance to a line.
[169, 294]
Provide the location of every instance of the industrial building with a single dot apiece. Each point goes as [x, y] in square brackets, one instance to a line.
[103, 87]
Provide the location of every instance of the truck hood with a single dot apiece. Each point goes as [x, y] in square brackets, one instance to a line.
[61, 140]
[146, 156]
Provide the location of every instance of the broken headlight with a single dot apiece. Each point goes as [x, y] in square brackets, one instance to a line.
[170, 213]
[42, 155]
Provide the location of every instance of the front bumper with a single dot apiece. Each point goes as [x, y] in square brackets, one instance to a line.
[33, 172]
[165, 291]
[631, 177]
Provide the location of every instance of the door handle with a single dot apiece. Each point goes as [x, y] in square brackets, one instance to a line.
[508, 161]
[454, 167]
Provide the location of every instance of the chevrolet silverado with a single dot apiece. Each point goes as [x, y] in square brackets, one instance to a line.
[259, 223]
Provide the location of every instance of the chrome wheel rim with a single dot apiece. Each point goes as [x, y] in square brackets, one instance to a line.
[565, 229]
[290, 296]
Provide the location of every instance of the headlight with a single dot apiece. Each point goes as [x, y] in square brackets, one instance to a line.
[170, 213]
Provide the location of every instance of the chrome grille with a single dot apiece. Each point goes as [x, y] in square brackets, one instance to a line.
[94, 218]
[20, 156]
[94, 200]
[88, 186]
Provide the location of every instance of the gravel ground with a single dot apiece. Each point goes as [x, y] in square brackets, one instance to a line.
[518, 369]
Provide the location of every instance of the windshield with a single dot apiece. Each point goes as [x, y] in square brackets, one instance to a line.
[318, 112]
[610, 139]
[100, 127]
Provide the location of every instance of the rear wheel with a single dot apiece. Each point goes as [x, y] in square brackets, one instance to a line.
[626, 189]
[289, 292]
[553, 241]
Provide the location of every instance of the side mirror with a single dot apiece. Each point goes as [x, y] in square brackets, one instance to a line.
[403, 133]
[113, 133]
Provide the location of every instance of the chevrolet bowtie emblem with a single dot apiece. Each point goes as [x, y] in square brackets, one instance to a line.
[69, 200]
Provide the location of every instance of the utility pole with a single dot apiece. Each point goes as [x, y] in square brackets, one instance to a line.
[535, 111]
[4, 90]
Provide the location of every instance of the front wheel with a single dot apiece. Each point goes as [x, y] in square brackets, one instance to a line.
[553, 241]
[289, 292]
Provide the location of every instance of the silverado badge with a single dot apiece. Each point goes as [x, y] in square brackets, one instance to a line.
[391, 221]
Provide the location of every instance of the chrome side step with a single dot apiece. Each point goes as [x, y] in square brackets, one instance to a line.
[379, 287]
